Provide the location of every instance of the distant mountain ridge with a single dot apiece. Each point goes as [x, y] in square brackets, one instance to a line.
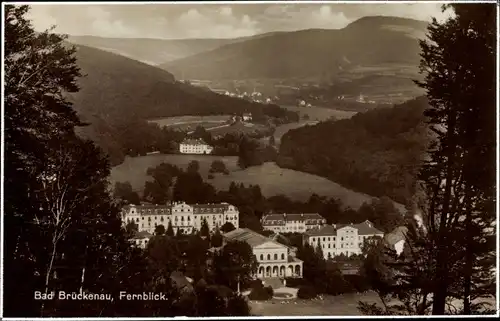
[369, 41]
[117, 92]
[156, 51]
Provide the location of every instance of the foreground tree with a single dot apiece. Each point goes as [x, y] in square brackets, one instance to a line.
[62, 230]
[454, 233]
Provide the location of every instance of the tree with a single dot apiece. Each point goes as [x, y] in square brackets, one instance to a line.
[170, 230]
[204, 230]
[235, 264]
[227, 227]
[131, 228]
[272, 140]
[461, 91]
[61, 225]
[124, 192]
[193, 166]
[160, 230]
[218, 166]
[319, 250]
[216, 240]
[158, 191]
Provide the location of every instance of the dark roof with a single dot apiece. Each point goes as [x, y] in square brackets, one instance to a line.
[365, 228]
[247, 235]
[324, 230]
[151, 209]
[291, 217]
[190, 141]
[209, 208]
[142, 234]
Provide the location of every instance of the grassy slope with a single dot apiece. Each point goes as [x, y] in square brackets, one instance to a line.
[272, 179]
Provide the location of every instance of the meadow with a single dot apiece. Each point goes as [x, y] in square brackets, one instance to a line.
[320, 113]
[272, 179]
[186, 120]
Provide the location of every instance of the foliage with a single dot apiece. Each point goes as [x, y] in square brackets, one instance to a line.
[204, 230]
[236, 263]
[218, 166]
[124, 192]
[261, 293]
[216, 239]
[170, 229]
[227, 227]
[160, 230]
[377, 152]
[307, 292]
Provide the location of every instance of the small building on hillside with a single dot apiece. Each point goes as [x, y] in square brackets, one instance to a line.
[298, 223]
[141, 239]
[195, 146]
[274, 259]
[346, 239]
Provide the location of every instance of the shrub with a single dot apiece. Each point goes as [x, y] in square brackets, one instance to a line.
[294, 282]
[255, 284]
[261, 294]
[306, 292]
[210, 176]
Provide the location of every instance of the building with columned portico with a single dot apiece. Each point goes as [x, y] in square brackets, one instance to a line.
[275, 260]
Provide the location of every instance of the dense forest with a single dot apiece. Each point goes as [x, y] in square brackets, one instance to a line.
[377, 152]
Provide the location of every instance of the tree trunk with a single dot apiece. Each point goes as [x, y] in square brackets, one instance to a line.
[469, 256]
[441, 283]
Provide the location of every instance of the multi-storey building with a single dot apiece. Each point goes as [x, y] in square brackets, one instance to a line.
[195, 146]
[340, 239]
[274, 259]
[181, 215]
[300, 223]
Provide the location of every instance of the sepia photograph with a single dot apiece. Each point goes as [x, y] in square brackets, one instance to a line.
[223, 159]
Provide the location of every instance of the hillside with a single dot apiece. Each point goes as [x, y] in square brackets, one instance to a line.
[118, 92]
[377, 152]
[155, 51]
[370, 41]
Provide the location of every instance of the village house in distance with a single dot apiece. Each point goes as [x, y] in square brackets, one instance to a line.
[292, 223]
[181, 215]
[194, 146]
[275, 260]
[346, 239]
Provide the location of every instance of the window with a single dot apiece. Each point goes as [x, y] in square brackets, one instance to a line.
[275, 257]
[262, 257]
[269, 257]
[282, 256]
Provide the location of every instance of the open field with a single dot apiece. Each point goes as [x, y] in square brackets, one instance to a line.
[320, 113]
[346, 305]
[272, 179]
[186, 120]
[240, 127]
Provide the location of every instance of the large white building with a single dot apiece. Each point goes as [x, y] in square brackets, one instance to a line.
[195, 146]
[340, 239]
[182, 216]
[300, 223]
[275, 259]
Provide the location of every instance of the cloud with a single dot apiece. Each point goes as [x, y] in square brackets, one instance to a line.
[221, 23]
[170, 21]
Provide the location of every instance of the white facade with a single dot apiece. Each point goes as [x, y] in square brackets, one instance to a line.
[192, 146]
[292, 223]
[342, 239]
[181, 215]
[274, 259]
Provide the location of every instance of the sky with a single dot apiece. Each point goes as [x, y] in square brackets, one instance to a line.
[209, 20]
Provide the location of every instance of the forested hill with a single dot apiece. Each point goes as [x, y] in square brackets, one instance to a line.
[117, 92]
[377, 152]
